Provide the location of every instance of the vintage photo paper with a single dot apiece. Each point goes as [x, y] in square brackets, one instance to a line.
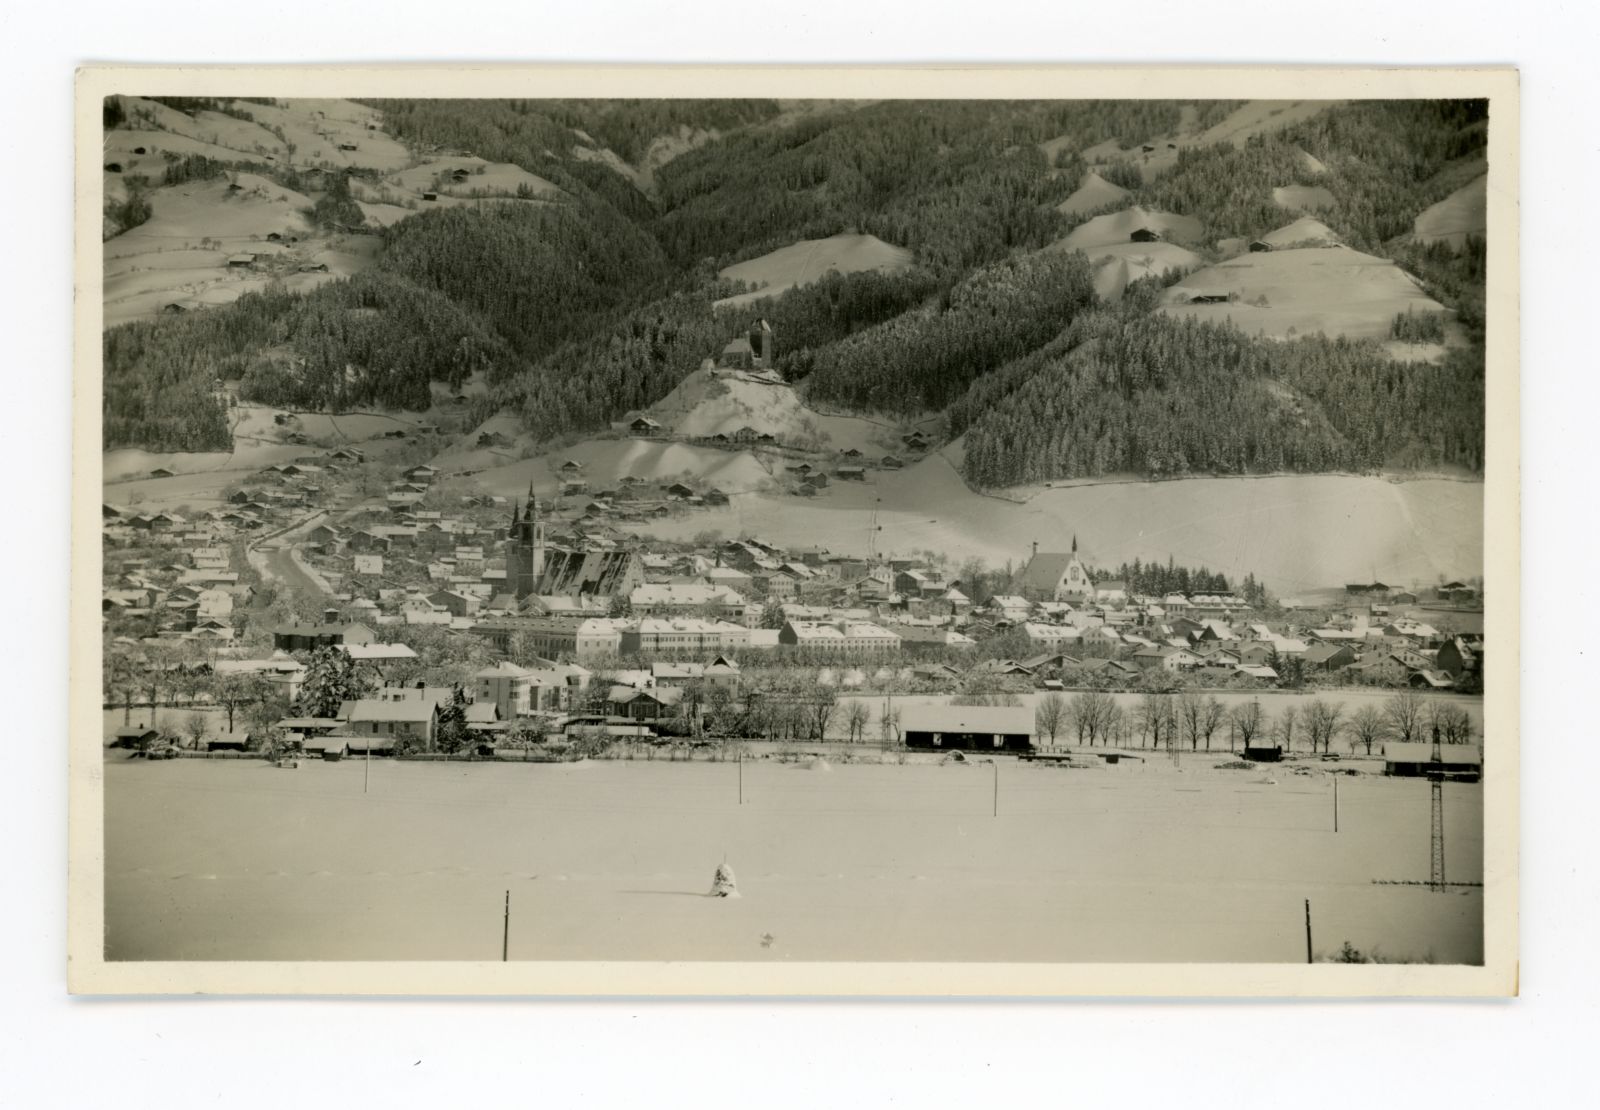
[778, 531]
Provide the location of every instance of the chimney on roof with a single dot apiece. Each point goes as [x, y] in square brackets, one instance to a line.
[1036, 547]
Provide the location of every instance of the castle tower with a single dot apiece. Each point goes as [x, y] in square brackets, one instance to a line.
[761, 345]
[526, 562]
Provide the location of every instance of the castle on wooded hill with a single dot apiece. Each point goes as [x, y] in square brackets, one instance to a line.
[755, 351]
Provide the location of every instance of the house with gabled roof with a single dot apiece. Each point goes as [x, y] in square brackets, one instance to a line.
[1166, 658]
[415, 719]
[1055, 576]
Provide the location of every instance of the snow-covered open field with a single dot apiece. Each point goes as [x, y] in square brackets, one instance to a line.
[1302, 291]
[1094, 192]
[1141, 862]
[1295, 533]
[1461, 214]
[809, 259]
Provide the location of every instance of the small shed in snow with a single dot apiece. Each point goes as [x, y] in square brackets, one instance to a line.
[968, 727]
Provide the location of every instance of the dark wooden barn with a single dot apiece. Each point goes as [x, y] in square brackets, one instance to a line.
[968, 728]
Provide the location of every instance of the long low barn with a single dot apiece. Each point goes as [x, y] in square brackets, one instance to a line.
[1457, 761]
[968, 727]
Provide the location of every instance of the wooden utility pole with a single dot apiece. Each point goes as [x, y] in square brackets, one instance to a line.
[996, 765]
[1308, 930]
[1336, 803]
[505, 931]
[741, 778]
[366, 773]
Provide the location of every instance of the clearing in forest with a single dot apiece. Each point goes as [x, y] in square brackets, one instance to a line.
[1461, 214]
[808, 260]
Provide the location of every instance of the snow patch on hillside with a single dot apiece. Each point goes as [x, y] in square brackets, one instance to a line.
[809, 259]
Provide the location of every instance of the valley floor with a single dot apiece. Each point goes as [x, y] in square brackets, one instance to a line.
[1140, 862]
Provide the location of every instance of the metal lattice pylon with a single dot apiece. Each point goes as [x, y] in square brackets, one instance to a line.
[1436, 830]
[1436, 870]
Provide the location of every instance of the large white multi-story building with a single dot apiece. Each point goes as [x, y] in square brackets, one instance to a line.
[553, 637]
[664, 599]
[651, 635]
[838, 635]
[519, 691]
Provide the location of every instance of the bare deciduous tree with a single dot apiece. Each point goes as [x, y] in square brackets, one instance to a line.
[1367, 726]
[1155, 717]
[1322, 721]
[1453, 723]
[857, 716]
[1404, 716]
[1093, 716]
[1247, 721]
[889, 725]
[1284, 726]
[820, 711]
[194, 727]
[1191, 710]
[1212, 715]
[1050, 716]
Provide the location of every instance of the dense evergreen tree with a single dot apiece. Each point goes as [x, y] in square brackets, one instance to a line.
[336, 208]
[332, 679]
[925, 359]
[1161, 396]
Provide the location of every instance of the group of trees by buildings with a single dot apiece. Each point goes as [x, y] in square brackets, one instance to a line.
[1154, 579]
[1199, 722]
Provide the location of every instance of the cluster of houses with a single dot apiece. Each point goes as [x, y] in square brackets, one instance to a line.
[191, 590]
[548, 698]
[186, 592]
[574, 587]
[588, 595]
[629, 499]
[569, 596]
[805, 476]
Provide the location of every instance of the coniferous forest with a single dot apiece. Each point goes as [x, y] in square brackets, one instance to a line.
[579, 309]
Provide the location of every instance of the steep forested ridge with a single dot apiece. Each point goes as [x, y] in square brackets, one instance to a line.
[1150, 394]
[925, 359]
[960, 183]
[578, 309]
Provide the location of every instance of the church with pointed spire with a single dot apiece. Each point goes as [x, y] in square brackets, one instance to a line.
[525, 565]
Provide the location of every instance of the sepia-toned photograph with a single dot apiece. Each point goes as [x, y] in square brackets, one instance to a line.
[1004, 528]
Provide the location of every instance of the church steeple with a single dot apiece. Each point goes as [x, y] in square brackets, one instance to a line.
[1074, 543]
[525, 554]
